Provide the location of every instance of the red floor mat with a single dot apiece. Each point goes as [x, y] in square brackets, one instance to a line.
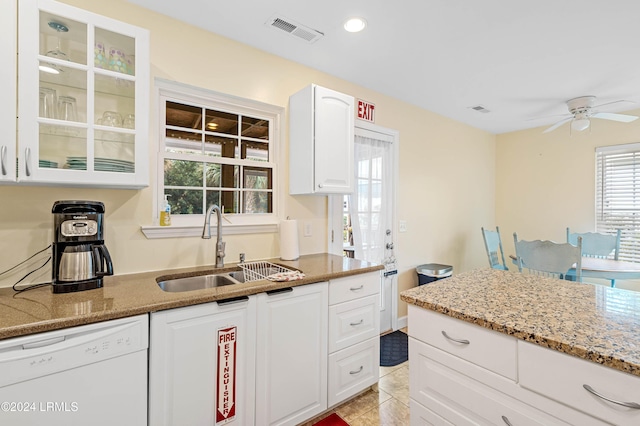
[332, 420]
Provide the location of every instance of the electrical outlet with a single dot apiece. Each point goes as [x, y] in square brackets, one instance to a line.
[307, 229]
[403, 226]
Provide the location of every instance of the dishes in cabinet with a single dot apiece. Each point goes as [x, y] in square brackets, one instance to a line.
[101, 164]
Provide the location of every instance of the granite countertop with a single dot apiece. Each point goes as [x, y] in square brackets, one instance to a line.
[40, 310]
[597, 323]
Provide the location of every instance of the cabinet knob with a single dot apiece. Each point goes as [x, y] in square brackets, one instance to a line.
[319, 185]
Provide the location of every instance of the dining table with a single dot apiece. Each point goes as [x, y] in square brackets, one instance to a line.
[610, 269]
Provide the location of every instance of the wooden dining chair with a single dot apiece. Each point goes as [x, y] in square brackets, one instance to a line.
[550, 259]
[603, 246]
[493, 245]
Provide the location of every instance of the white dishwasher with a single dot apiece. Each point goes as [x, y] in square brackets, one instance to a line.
[93, 374]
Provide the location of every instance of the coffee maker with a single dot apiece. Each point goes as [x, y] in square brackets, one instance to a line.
[80, 258]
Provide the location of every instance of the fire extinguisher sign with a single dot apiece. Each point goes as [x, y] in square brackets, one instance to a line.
[226, 376]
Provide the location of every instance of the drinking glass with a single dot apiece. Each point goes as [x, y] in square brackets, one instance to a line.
[117, 60]
[129, 121]
[48, 102]
[67, 108]
[100, 58]
[111, 118]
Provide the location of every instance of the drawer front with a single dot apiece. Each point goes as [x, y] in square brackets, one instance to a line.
[353, 369]
[353, 287]
[433, 384]
[353, 322]
[486, 348]
[561, 377]
[422, 416]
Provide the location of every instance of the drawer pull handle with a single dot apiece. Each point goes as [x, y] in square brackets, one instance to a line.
[463, 341]
[3, 160]
[357, 288]
[27, 161]
[356, 323]
[357, 371]
[624, 404]
[506, 421]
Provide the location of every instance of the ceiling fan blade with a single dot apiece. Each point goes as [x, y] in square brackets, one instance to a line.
[615, 117]
[614, 102]
[558, 124]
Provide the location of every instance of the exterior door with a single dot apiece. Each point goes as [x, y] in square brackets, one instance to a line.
[362, 224]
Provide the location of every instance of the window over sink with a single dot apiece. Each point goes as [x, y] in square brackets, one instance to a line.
[216, 149]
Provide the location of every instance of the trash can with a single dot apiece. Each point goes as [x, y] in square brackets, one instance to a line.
[430, 272]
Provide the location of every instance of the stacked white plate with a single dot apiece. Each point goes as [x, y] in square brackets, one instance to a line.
[48, 164]
[102, 164]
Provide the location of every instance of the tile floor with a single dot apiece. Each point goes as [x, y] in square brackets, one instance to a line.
[387, 405]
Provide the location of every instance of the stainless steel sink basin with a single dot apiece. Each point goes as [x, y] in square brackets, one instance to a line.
[237, 275]
[199, 282]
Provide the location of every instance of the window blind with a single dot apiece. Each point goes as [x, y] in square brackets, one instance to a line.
[618, 196]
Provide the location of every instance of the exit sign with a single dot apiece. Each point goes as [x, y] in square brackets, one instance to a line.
[366, 111]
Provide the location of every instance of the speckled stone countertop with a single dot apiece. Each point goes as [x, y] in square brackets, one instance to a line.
[40, 310]
[597, 323]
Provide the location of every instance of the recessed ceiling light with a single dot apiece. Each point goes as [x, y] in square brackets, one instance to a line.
[354, 25]
[212, 126]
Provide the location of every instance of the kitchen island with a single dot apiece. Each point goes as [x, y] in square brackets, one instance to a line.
[40, 310]
[490, 345]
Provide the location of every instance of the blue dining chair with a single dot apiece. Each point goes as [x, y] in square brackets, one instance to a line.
[550, 259]
[603, 246]
[493, 244]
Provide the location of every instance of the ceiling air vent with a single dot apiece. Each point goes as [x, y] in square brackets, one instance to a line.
[293, 28]
[480, 108]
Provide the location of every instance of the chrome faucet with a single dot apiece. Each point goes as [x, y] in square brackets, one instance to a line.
[206, 233]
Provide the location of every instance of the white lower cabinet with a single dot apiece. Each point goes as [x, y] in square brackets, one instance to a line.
[564, 377]
[265, 359]
[456, 379]
[202, 364]
[354, 335]
[291, 367]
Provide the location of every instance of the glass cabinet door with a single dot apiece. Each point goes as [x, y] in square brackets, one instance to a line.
[88, 123]
[8, 78]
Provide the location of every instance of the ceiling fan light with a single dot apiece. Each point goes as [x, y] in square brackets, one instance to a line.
[580, 124]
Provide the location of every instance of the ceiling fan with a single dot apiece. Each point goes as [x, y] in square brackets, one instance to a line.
[582, 110]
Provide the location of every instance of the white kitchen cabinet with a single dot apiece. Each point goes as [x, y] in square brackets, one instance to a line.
[83, 98]
[354, 335]
[8, 82]
[202, 364]
[482, 378]
[321, 142]
[291, 365]
[563, 377]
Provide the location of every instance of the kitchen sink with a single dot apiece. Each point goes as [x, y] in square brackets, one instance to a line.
[237, 275]
[200, 282]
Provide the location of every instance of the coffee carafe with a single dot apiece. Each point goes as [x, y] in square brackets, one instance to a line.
[80, 258]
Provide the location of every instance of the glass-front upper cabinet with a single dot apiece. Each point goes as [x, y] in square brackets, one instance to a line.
[83, 98]
[8, 23]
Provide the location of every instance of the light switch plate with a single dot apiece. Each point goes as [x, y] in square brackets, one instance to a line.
[403, 226]
[307, 229]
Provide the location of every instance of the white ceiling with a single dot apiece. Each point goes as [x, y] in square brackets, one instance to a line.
[519, 59]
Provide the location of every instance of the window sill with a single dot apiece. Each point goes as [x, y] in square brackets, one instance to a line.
[178, 231]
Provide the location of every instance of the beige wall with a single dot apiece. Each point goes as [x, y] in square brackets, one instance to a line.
[546, 182]
[446, 189]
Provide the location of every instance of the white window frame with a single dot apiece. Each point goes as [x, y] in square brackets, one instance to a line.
[191, 225]
[618, 196]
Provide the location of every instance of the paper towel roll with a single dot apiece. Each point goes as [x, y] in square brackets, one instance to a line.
[289, 249]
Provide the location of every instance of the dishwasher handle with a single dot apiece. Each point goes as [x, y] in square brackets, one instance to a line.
[45, 342]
